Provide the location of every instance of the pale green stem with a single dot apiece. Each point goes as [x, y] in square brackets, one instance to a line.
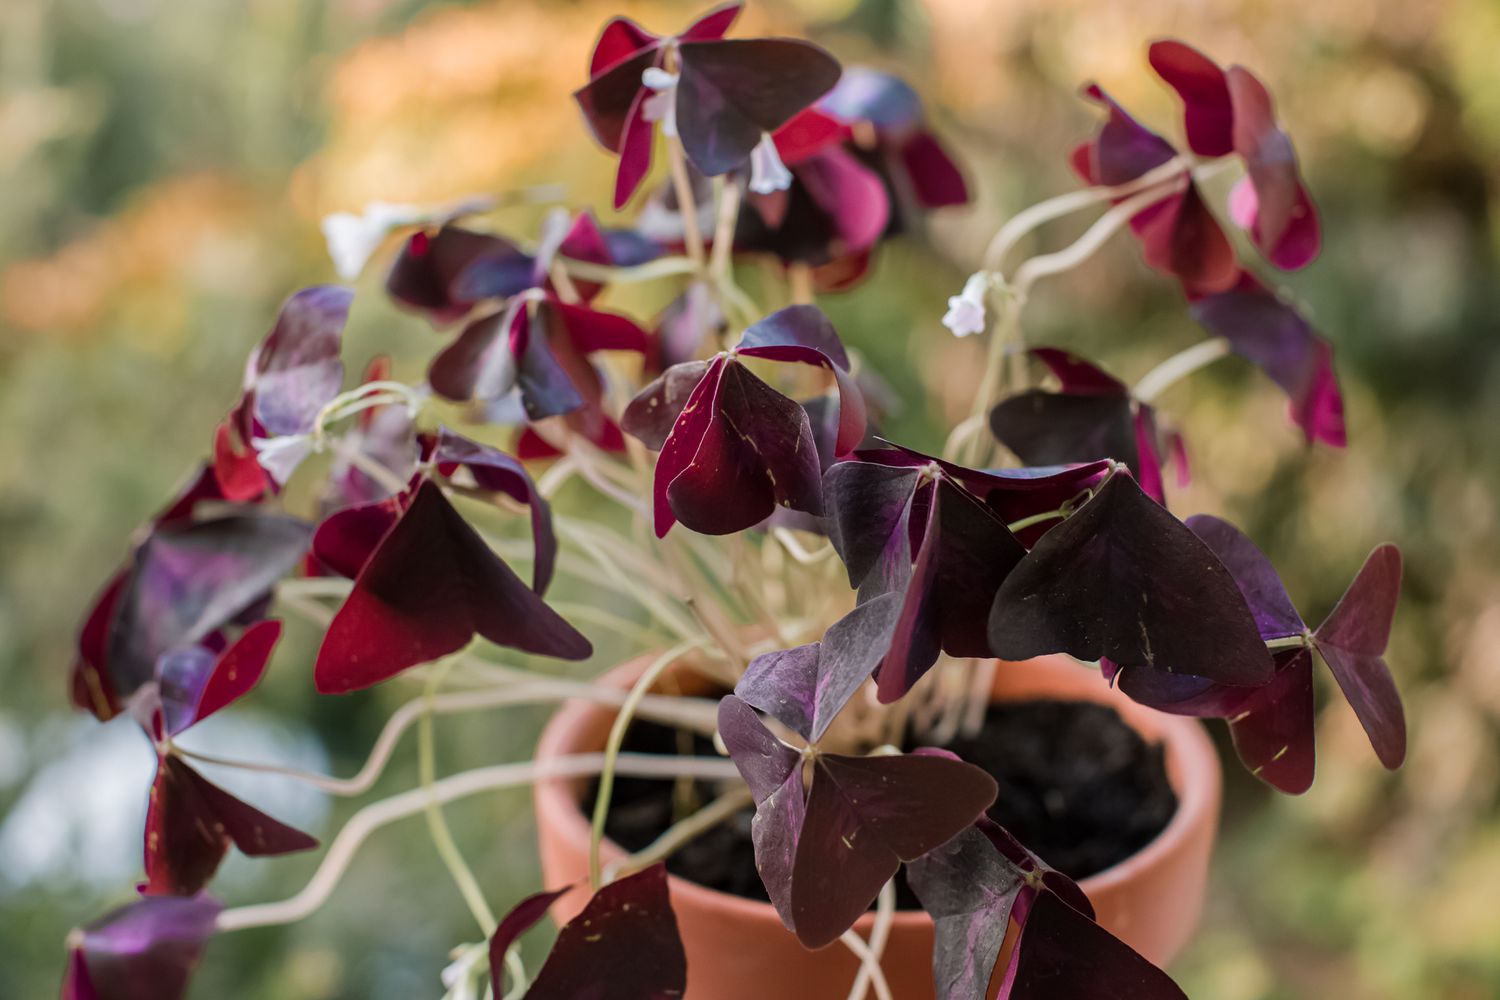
[698, 714]
[1025, 221]
[612, 747]
[661, 267]
[437, 825]
[387, 811]
[1027, 522]
[1180, 365]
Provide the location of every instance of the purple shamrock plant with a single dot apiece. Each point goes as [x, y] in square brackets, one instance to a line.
[844, 600]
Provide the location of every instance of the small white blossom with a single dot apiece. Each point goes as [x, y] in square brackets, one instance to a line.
[767, 172]
[965, 316]
[280, 456]
[661, 106]
[353, 238]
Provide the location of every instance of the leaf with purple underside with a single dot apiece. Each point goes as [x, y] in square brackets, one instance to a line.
[803, 334]
[195, 682]
[297, 368]
[1125, 579]
[1352, 641]
[968, 888]
[1283, 221]
[145, 950]
[190, 578]
[624, 945]
[1271, 334]
[426, 276]
[430, 586]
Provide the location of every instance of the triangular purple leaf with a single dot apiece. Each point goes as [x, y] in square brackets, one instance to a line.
[1352, 641]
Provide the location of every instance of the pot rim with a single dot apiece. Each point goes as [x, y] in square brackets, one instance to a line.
[1191, 761]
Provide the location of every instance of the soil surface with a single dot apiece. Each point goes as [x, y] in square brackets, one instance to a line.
[1077, 786]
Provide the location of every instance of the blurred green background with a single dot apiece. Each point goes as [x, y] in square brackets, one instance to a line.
[163, 166]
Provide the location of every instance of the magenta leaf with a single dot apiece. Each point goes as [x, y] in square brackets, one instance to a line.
[733, 92]
[623, 946]
[195, 682]
[1124, 579]
[1063, 953]
[189, 579]
[521, 918]
[430, 586]
[1207, 109]
[145, 950]
[1277, 339]
[496, 472]
[831, 217]
[191, 823]
[1284, 223]
[1352, 642]
[297, 368]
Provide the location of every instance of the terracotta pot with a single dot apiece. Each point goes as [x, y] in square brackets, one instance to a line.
[737, 948]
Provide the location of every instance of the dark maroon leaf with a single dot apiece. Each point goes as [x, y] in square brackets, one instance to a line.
[297, 368]
[426, 274]
[1272, 725]
[737, 450]
[869, 506]
[968, 888]
[497, 472]
[865, 815]
[623, 946]
[195, 682]
[802, 334]
[1062, 953]
[1352, 642]
[1052, 428]
[191, 823]
[1270, 333]
[430, 586]
[1198, 80]
[521, 918]
[763, 760]
[190, 578]
[831, 217]
[733, 92]
[655, 409]
[1123, 578]
[347, 538]
[145, 950]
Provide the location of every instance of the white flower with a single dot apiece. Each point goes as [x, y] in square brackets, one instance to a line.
[767, 172]
[661, 106]
[353, 238]
[280, 456]
[965, 315]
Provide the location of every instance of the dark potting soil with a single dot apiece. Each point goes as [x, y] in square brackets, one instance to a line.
[1077, 786]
